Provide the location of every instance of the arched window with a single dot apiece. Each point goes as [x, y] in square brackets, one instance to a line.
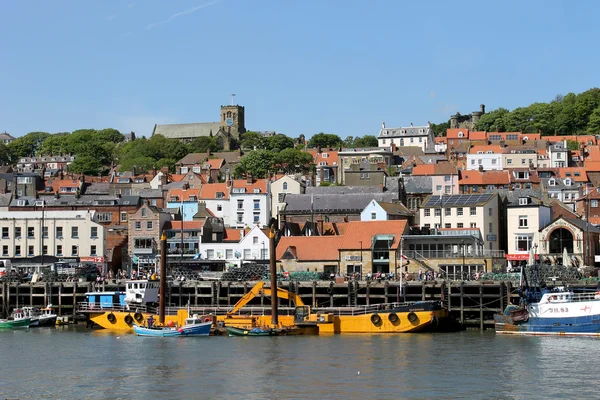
[228, 114]
[284, 185]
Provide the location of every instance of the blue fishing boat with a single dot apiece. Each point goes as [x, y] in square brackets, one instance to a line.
[194, 326]
[551, 311]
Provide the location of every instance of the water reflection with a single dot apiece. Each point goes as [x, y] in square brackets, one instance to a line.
[91, 364]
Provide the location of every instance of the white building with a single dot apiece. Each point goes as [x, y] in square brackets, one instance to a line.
[238, 247]
[56, 234]
[279, 188]
[463, 211]
[216, 197]
[250, 203]
[488, 158]
[418, 136]
[525, 217]
[559, 155]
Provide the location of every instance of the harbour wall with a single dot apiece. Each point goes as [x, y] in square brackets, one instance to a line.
[473, 303]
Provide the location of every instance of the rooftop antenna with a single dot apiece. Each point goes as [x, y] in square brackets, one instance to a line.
[232, 99]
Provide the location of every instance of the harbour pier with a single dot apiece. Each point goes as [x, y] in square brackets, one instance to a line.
[472, 303]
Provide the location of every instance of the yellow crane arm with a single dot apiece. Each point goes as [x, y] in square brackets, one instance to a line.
[255, 291]
[284, 294]
[252, 293]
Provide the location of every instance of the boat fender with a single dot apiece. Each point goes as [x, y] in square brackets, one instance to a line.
[412, 317]
[128, 319]
[330, 288]
[220, 324]
[393, 317]
[138, 317]
[375, 319]
[111, 318]
[207, 319]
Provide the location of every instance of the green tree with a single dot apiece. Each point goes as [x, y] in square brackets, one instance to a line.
[293, 161]
[366, 141]
[86, 164]
[279, 142]
[258, 163]
[5, 155]
[27, 146]
[252, 141]
[204, 144]
[440, 129]
[324, 140]
[492, 121]
[593, 126]
[54, 145]
[141, 164]
[572, 145]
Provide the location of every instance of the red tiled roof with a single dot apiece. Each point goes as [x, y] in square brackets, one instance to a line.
[562, 173]
[474, 177]
[477, 135]
[215, 163]
[57, 184]
[453, 133]
[580, 139]
[187, 225]
[442, 168]
[184, 195]
[210, 190]
[311, 248]
[260, 184]
[494, 148]
[357, 231]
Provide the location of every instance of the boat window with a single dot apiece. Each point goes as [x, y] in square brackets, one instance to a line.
[135, 285]
[142, 285]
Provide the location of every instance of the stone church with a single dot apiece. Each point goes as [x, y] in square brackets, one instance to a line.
[228, 130]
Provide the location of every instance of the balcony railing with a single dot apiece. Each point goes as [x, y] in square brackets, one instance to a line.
[418, 254]
[185, 240]
[185, 251]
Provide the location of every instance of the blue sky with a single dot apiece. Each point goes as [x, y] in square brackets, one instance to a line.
[334, 66]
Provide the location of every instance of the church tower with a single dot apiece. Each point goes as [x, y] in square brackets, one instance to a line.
[233, 122]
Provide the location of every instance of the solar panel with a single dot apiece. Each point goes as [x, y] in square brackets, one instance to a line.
[458, 200]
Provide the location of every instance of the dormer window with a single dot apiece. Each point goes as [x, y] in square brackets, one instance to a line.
[460, 134]
[552, 182]
[192, 198]
[256, 190]
[568, 182]
[174, 198]
[324, 155]
[490, 152]
[577, 174]
[523, 201]
[219, 195]
[480, 152]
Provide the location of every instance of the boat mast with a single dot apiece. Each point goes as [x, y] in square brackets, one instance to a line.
[163, 278]
[273, 271]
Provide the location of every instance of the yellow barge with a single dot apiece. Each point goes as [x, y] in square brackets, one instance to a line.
[108, 310]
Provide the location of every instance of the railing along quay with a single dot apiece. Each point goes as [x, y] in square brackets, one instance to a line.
[472, 303]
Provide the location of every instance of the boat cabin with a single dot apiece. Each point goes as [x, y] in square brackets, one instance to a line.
[141, 291]
[196, 320]
[105, 299]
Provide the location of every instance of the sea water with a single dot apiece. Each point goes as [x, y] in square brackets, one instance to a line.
[77, 363]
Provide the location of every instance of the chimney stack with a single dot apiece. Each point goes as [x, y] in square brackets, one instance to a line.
[249, 179]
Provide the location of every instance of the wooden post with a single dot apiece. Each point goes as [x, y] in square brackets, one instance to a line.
[314, 294]
[501, 296]
[462, 303]
[229, 294]
[481, 327]
[385, 292]
[196, 294]
[368, 292]
[508, 293]
[449, 295]
[423, 290]
[46, 286]
[60, 288]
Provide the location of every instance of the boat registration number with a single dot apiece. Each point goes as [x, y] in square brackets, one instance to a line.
[558, 309]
